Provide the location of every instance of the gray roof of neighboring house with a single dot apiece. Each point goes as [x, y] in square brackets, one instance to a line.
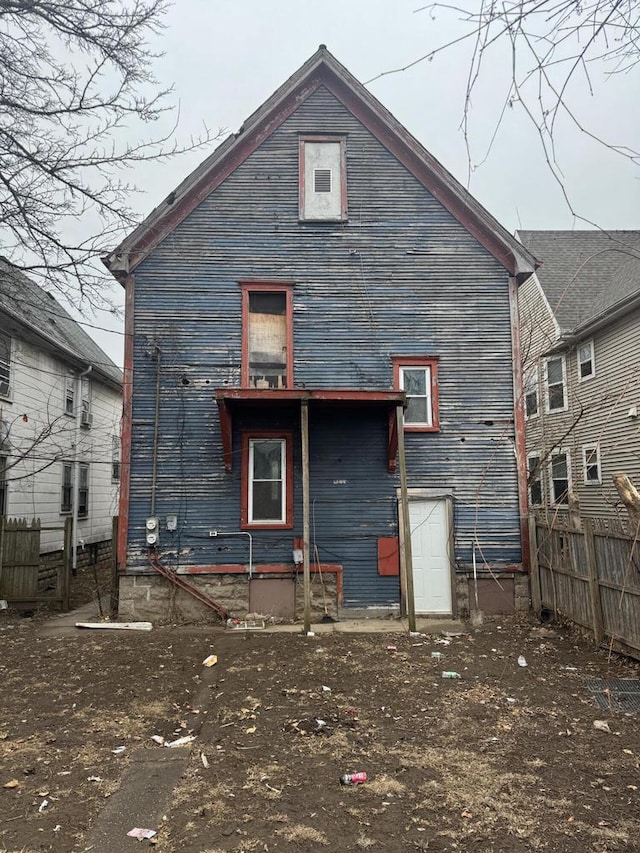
[585, 274]
[30, 305]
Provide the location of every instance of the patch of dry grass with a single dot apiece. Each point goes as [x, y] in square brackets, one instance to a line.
[260, 781]
[364, 842]
[300, 833]
[385, 786]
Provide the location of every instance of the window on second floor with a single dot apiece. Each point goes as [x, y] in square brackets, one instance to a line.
[586, 361]
[5, 365]
[267, 335]
[535, 480]
[323, 179]
[418, 378]
[531, 392]
[85, 414]
[66, 503]
[70, 395]
[560, 478]
[115, 459]
[591, 464]
[556, 373]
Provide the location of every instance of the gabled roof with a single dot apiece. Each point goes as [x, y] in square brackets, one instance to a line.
[586, 275]
[43, 316]
[322, 69]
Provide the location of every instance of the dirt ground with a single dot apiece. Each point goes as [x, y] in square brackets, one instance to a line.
[506, 758]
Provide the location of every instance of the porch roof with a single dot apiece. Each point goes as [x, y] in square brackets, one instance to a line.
[230, 398]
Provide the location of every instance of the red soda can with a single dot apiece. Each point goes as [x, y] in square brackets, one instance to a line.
[353, 778]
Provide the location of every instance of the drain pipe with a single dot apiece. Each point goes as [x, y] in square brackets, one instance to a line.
[76, 471]
[214, 533]
[154, 469]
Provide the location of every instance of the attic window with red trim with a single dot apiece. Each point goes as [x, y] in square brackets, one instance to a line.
[267, 335]
[417, 376]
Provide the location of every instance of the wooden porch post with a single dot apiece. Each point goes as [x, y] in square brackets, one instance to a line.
[304, 435]
[406, 524]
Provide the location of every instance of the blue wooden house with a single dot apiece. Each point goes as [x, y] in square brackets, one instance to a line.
[317, 309]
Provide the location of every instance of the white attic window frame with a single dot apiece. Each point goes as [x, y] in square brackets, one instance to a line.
[322, 178]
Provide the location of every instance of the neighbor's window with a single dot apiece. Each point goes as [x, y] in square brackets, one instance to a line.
[586, 361]
[86, 418]
[3, 486]
[267, 480]
[560, 480]
[5, 365]
[591, 464]
[267, 336]
[323, 190]
[556, 391]
[66, 504]
[70, 395]
[115, 459]
[531, 392]
[535, 480]
[418, 378]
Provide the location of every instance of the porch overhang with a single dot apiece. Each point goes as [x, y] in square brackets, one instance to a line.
[229, 399]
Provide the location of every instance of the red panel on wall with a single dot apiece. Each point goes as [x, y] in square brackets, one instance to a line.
[388, 555]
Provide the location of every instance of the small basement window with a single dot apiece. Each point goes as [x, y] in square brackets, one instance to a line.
[323, 179]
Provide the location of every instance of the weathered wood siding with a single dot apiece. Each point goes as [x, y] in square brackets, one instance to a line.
[402, 276]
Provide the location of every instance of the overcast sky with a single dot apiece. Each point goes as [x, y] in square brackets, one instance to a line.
[225, 57]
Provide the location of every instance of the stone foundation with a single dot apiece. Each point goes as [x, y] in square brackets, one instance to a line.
[154, 599]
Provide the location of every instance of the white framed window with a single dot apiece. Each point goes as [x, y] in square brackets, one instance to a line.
[535, 479]
[70, 394]
[115, 459]
[586, 361]
[266, 480]
[5, 365]
[531, 401]
[85, 412]
[323, 190]
[66, 503]
[560, 476]
[417, 376]
[556, 376]
[591, 470]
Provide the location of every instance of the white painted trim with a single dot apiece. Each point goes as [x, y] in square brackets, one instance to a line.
[283, 482]
[557, 451]
[556, 325]
[564, 408]
[426, 396]
[594, 445]
[582, 378]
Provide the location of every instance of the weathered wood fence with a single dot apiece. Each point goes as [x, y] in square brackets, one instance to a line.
[24, 579]
[589, 573]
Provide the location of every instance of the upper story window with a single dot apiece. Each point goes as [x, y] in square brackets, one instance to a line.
[535, 479]
[586, 361]
[70, 395]
[591, 464]
[418, 378]
[5, 365]
[267, 480]
[323, 178]
[86, 416]
[115, 459]
[66, 503]
[556, 383]
[267, 335]
[531, 392]
[560, 471]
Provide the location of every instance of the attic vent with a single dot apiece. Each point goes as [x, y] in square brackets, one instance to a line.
[322, 180]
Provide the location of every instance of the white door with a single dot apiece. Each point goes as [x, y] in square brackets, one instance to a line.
[430, 552]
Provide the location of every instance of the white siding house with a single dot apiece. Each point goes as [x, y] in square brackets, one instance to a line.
[580, 331]
[60, 410]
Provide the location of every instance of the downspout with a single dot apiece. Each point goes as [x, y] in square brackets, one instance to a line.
[76, 471]
[154, 468]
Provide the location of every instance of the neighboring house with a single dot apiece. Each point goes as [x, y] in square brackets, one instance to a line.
[320, 260]
[580, 333]
[60, 411]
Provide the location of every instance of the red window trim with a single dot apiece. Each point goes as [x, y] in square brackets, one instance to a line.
[420, 361]
[269, 287]
[316, 137]
[247, 435]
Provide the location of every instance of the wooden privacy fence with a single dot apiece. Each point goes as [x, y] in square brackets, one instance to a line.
[23, 578]
[588, 572]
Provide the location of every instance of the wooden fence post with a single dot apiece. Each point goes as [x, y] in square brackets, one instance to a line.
[536, 589]
[66, 563]
[115, 579]
[594, 586]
